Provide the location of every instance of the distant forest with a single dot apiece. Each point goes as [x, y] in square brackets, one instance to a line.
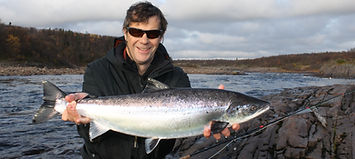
[65, 48]
[307, 62]
[50, 47]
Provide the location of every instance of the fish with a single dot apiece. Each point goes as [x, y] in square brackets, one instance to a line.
[159, 112]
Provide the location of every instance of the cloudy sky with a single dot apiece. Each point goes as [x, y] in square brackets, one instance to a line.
[207, 28]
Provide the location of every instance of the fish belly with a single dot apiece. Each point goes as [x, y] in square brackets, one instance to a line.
[156, 122]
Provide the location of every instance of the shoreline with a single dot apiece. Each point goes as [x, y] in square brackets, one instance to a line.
[33, 70]
[18, 70]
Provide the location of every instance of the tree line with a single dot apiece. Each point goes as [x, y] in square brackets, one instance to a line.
[65, 48]
[51, 47]
[306, 62]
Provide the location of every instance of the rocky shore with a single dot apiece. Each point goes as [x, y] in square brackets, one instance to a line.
[11, 69]
[18, 70]
[299, 136]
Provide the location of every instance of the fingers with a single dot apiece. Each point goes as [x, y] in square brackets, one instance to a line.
[82, 120]
[207, 130]
[70, 97]
[226, 132]
[221, 86]
[70, 113]
[75, 96]
[217, 136]
[235, 126]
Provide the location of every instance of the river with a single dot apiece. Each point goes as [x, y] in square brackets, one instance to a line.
[22, 95]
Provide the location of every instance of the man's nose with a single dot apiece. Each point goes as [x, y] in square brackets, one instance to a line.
[144, 39]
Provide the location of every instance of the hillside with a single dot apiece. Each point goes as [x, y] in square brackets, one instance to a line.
[50, 47]
[329, 64]
[53, 51]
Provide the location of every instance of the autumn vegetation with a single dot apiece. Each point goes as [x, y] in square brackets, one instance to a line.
[50, 47]
[43, 49]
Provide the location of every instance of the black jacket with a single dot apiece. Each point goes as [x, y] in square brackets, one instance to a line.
[116, 74]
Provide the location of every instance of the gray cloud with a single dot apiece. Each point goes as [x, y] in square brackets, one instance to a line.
[209, 28]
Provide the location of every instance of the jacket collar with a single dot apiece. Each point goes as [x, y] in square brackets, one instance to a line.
[118, 57]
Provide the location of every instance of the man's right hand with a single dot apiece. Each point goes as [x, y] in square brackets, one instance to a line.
[70, 113]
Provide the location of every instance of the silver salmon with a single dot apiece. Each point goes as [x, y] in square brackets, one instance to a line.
[157, 113]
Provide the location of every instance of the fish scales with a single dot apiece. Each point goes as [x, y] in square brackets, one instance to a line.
[165, 114]
[162, 114]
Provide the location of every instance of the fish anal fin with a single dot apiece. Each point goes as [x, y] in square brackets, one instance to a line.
[218, 126]
[96, 129]
[151, 144]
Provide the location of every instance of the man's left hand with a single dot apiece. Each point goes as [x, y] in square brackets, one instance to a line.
[225, 132]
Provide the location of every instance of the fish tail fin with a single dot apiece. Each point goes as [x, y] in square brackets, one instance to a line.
[50, 94]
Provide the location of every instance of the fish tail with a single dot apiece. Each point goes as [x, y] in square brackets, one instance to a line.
[50, 94]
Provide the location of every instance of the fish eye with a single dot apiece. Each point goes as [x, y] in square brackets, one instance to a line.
[253, 107]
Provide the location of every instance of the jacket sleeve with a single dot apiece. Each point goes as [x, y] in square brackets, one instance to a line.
[183, 80]
[89, 86]
[178, 78]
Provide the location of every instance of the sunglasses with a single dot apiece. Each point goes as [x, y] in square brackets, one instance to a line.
[151, 34]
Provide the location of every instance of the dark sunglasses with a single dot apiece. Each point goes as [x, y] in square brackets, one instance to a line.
[151, 34]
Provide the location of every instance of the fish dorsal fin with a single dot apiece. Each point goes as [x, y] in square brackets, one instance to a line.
[96, 129]
[151, 144]
[154, 85]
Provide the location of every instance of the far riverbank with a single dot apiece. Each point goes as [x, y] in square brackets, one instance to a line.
[23, 70]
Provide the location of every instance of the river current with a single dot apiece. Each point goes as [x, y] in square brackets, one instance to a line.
[21, 96]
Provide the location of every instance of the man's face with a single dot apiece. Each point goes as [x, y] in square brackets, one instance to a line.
[142, 49]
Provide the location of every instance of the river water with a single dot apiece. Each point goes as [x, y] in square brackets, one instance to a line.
[22, 95]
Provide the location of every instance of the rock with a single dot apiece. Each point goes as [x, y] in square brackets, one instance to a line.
[338, 70]
[299, 136]
[6, 70]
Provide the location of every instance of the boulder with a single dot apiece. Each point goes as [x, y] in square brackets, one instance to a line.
[298, 136]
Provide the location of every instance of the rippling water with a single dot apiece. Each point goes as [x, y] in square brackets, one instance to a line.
[22, 95]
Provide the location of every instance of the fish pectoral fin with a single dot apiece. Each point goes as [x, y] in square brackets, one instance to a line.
[151, 144]
[218, 126]
[96, 129]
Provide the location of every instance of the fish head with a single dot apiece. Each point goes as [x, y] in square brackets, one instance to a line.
[243, 108]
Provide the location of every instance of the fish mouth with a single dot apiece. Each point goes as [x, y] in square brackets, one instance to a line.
[262, 110]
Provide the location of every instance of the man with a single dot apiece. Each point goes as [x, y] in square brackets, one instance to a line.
[124, 70]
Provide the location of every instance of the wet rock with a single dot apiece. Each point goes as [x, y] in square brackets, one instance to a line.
[299, 136]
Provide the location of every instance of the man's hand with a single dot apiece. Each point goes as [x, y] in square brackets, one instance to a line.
[70, 113]
[225, 132]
